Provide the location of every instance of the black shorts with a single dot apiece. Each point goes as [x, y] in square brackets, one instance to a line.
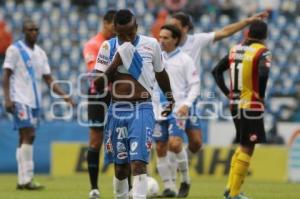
[97, 108]
[249, 126]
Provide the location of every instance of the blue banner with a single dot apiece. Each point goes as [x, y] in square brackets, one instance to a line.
[45, 135]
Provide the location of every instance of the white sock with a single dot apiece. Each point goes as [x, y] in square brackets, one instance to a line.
[173, 165]
[183, 165]
[26, 157]
[120, 188]
[139, 188]
[164, 171]
[20, 170]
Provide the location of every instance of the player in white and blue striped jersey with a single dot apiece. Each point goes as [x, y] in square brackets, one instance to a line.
[25, 65]
[132, 63]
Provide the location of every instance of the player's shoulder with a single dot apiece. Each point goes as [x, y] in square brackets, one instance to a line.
[40, 50]
[148, 40]
[184, 56]
[12, 49]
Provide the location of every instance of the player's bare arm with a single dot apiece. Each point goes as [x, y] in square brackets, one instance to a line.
[164, 83]
[235, 27]
[9, 105]
[101, 81]
[50, 82]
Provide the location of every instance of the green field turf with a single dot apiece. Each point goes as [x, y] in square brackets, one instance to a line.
[76, 187]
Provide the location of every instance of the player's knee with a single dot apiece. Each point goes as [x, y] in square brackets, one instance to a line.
[121, 172]
[95, 144]
[138, 168]
[175, 146]
[161, 149]
[195, 146]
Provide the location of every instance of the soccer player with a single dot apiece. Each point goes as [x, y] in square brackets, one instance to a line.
[249, 65]
[24, 66]
[193, 45]
[96, 104]
[132, 62]
[169, 132]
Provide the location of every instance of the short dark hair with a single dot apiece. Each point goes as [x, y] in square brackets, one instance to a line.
[174, 30]
[123, 16]
[258, 30]
[109, 16]
[26, 21]
[184, 19]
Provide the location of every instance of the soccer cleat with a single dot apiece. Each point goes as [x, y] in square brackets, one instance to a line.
[184, 190]
[226, 193]
[168, 193]
[94, 194]
[32, 185]
[240, 196]
[20, 187]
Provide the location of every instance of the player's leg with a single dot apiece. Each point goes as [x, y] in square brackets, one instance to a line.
[120, 181]
[96, 138]
[176, 132]
[97, 108]
[140, 132]
[26, 120]
[236, 120]
[252, 132]
[160, 136]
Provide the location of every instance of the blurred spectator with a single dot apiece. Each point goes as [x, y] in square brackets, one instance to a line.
[196, 9]
[5, 40]
[246, 10]
[159, 22]
[289, 8]
[175, 5]
[228, 7]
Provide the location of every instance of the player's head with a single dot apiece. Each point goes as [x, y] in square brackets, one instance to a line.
[258, 30]
[182, 21]
[108, 23]
[30, 30]
[169, 37]
[125, 25]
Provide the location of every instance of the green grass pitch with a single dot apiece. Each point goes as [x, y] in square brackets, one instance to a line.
[77, 187]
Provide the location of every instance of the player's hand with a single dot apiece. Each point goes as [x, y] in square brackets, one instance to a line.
[9, 106]
[258, 16]
[70, 101]
[182, 111]
[168, 109]
[100, 83]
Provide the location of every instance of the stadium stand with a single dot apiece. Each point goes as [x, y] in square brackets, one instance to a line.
[65, 27]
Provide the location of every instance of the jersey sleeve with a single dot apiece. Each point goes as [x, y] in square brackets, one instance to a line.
[90, 56]
[193, 81]
[103, 57]
[264, 65]
[204, 39]
[46, 67]
[218, 71]
[11, 58]
[157, 58]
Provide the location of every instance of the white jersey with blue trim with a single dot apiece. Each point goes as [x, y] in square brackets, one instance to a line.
[141, 59]
[21, 89]
[194, 45]
[184, 80]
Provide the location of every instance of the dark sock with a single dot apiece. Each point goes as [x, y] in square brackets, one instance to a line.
[129, 182]
[93, 166]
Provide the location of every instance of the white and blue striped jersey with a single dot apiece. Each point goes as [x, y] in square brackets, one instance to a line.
[141, 59]
[184, 80]
[194, 45]
[21, 82]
